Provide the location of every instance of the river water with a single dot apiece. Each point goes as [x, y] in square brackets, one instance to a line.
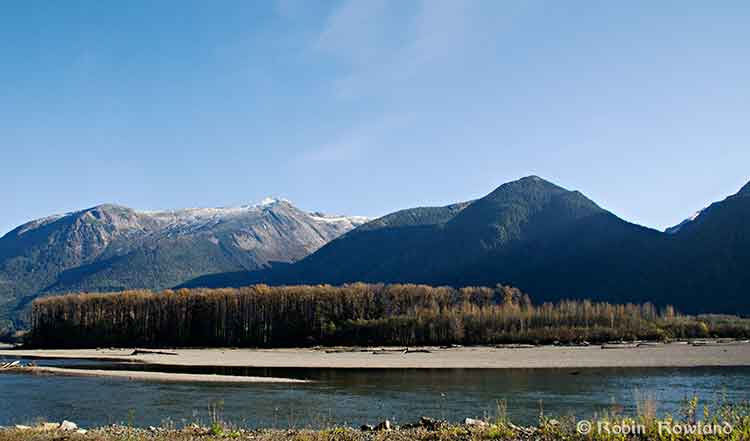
[358, 396]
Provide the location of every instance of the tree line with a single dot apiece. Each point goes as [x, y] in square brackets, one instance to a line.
[353, 314]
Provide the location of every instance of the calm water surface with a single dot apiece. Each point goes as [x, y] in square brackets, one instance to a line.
[358, 396]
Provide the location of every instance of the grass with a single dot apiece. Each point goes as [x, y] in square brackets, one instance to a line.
[695, 422]
[498, 432]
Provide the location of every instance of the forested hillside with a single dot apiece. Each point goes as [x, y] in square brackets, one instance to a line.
[550, 242]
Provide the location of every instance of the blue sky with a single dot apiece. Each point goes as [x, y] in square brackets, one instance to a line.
[368, 106]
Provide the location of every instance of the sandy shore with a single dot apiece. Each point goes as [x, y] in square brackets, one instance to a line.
[155, 376]
[672, 355]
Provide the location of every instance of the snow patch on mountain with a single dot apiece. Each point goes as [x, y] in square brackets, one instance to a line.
[29, 226]
[681, 225]
[203, 215]
[331, 219]
[186, 221]
[267, 202]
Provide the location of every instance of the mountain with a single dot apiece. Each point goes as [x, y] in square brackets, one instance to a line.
[549, 241]
[110, 247]
[712, 255]
[439, 245]
[509, 236]
[744, 191]
[678, 227]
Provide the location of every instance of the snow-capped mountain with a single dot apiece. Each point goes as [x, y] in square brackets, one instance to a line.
[189, 220]
[111, 247]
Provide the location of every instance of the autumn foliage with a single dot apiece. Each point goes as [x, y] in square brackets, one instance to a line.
[355, 314]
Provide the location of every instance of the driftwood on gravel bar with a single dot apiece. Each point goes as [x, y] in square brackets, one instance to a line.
[142, 352]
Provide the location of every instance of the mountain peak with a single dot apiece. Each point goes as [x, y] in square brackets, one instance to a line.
[531, 202]
[536, 180]
[269, 201]
[531, 178]
[528, 185]
[108, 206]
[107, 209]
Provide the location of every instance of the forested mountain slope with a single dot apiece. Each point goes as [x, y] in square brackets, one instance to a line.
[550, 242]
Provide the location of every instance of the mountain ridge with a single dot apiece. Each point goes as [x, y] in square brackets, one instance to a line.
[549, 241]
[112, 247]
[743, 192]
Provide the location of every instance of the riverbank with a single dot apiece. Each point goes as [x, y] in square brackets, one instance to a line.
[654, 355]
[452, 433]
[447, 432]
[732, 427]
[152, 376]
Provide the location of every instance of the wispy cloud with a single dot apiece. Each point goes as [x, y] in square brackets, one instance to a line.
[356, 31]
[385, 45]
[396, 59]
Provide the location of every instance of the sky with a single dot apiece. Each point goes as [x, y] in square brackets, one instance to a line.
[369, 106]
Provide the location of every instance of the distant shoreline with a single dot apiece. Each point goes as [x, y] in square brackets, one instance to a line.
[667, 355]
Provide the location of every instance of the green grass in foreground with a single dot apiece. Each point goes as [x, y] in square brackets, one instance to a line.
[705, 423]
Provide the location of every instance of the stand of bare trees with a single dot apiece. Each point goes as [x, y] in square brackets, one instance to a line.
[355, 314]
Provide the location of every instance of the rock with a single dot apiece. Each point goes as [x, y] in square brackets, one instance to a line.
[367, 428]
[68, 426]
[431, 424]
[82, 431]
[473, 422]
[528, 431]
[49, 426]
[384, 426]
[22, 427]
[426, 423]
